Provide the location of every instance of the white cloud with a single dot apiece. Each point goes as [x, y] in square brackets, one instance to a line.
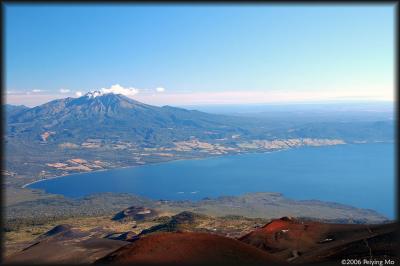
[118, 89]
[64, 90]
[37, 90]
[78, 93]
[160, 89]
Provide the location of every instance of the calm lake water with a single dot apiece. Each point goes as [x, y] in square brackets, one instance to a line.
[360, 175]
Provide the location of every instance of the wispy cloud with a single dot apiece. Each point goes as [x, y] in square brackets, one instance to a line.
[65, 90]
[10, 92]
[160, 89]
[37, 90]
[78, 94]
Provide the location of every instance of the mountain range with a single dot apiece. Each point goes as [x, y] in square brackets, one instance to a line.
[114, 116]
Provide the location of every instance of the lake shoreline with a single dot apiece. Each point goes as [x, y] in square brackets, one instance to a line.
[199, 158]
[146, 164]
[184, 159]
[187, 159]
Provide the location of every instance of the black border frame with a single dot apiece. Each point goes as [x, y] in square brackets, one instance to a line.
[207, 2]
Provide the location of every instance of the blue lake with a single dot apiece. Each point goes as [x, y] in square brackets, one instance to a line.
[361, 175]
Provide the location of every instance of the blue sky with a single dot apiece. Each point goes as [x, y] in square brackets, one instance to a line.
[200, 54]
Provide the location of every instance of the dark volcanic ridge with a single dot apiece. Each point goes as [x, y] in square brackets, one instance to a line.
[134, 213]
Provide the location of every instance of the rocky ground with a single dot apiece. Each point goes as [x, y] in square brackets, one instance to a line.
[146, 236]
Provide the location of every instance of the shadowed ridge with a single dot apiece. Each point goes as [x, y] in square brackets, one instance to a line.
[65, 245]
[58, 229]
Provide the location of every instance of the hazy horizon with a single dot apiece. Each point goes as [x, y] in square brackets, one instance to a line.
[229, 105]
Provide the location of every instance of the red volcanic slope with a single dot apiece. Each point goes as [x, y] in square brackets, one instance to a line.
[188, 248]
[285, 233]
[301, 241]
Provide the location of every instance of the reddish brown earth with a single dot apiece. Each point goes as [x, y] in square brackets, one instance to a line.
[303, 242]
[188, 248]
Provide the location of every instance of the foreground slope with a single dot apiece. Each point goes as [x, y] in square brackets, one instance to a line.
[189, 238]
[188, 248]
[284, 240]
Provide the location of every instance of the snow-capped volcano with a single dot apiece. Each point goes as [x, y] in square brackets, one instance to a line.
[94, 94]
